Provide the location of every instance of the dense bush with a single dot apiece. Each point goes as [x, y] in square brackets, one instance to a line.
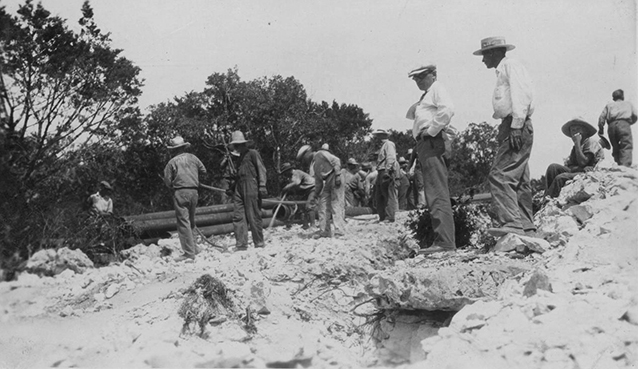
[471, 221]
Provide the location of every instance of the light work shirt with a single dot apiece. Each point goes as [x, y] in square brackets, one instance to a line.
[183, 171]
[433, 112]
[387, 158]
[617, 110]
[100, 204]
[300, 180]
[514, 92]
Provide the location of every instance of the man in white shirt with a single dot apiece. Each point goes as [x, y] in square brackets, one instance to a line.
[513, 103]
[431, 116]
[101, 201]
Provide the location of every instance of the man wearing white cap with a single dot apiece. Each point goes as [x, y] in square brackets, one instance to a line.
[431, 116]
[387, 173]
[513, 104]
[249, 189]
[326, 169]
[181, 174]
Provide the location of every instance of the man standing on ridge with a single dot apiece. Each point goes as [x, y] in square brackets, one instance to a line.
[513, 104]
[620, 115]
[250, 187]
[181, 174]
[387, 173]
[431, 116]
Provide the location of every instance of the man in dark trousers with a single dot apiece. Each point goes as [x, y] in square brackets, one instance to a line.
[513, 104]
[250, 187]
[388, 173]
[585, 154]
[431, 117]
[620, 115]
[181, 174]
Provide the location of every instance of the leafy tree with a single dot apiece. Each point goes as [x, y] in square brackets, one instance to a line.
[472, 155]
[58, 90]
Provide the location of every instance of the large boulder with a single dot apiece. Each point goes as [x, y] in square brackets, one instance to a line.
[442, 287]
[51, 262]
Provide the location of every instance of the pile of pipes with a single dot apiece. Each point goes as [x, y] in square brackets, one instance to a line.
[210, 220]
[218, 219]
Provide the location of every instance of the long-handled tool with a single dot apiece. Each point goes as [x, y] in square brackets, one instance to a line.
[274, 214]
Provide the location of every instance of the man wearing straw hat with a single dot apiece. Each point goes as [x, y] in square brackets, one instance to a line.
[431, 117]
[181, 174]
[620, 115]
[584, 156]
[387, 173]
[513, 104]
[301, 184]
[353, 184]
[326, 169]
[249, 189]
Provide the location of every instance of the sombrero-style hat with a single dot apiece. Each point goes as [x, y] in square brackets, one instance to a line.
[588, 128]
[493, 43]
[177, 141]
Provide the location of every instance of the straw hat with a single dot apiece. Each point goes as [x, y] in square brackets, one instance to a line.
[380, 132]
[285, 167]
[302, 151]
[177, 141]
[237, 137]
[351, 161]
[588, 128]
[493, 43]
[325, 147]
[366, 165]
[106, 185]
[402, 160]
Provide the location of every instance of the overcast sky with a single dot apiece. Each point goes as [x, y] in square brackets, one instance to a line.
[359, 52]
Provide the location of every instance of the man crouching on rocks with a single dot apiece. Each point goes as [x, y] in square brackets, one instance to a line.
[585, 154]
[181, 174]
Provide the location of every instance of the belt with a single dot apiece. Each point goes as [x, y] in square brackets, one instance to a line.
[186, 188]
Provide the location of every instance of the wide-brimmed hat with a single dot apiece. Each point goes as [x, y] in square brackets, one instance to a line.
[177, 141]
[604, 142]
[366, 165]
[380, 132]
[285, 167]
[493, 43]
[302, 150]
[237, 137]
[402, 160]
[351, 161]
[105, 185]
[588, 128]
[420, 70]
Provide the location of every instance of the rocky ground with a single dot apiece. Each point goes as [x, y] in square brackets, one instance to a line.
[353, 301]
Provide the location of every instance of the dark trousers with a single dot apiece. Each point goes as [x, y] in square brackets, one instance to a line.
[437, 192]
[557, 176]
[386, 195]
[185, 203]
[510, 181]
[622, 142]
[247, 213]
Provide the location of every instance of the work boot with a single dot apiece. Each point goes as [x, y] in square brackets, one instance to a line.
[435, 249]
[502, 231]
[260, 245]
[185, 258]
[241, 248]
[321, 234]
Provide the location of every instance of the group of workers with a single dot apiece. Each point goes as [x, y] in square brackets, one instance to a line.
[327, 187]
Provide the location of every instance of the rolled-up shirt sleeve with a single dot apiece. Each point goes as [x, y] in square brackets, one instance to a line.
[444, 110]
[521, 93]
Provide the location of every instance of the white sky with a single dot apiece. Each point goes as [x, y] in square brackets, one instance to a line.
[359, 52]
